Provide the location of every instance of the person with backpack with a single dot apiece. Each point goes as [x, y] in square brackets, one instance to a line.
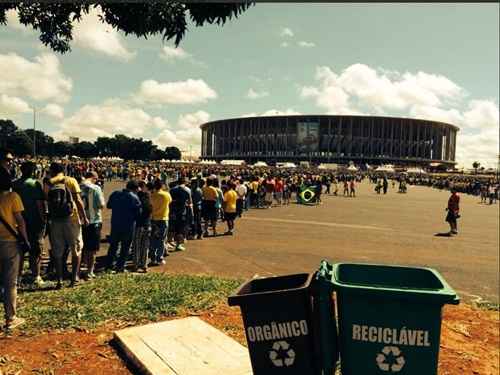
[12, 231]
[66, 214]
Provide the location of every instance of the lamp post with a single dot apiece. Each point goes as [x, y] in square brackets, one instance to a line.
[34, 133]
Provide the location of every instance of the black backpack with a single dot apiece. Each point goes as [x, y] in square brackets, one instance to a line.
[60, 201]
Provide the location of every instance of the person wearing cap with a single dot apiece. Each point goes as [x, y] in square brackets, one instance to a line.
[125, 209]
[35, 215]
[93, 200]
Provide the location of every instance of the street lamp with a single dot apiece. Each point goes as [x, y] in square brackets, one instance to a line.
[34, 132]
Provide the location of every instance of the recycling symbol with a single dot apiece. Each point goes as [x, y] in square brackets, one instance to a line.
[398, 358]
[286, 359]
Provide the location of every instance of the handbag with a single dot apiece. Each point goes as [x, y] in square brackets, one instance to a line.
[23, 245]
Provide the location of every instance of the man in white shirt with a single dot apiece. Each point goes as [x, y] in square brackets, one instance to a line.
[241, 190]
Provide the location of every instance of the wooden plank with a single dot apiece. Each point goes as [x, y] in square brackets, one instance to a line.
[184, 347]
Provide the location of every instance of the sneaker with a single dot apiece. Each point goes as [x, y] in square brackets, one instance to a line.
[91, 275]
[180, 247]
[14, 323]
[38, 282]
[59, 285]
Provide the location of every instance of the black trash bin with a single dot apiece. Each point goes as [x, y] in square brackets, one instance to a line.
[277, 315]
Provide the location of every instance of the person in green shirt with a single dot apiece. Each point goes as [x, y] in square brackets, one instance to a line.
[35, 215]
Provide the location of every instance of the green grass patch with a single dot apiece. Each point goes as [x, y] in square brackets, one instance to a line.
[123, 297]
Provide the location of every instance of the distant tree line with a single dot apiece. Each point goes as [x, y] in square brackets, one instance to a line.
[20, 141]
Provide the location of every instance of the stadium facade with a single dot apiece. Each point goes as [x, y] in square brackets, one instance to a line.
[332, 139]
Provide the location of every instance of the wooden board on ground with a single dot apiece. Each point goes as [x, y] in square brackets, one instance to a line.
[186, 346]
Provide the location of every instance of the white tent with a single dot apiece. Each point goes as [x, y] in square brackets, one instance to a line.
[330, 166]
[286, 165]
[206, 162]
[260, 164]
[416, 170]
[232, 162]
[385, 168]
[352, 168]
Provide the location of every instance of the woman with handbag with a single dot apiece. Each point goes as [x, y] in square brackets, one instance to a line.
[13, 239]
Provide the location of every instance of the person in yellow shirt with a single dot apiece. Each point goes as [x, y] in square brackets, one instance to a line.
[11, 208]
[254, 192]
[230, 198]
[160, 202]
[208, 206]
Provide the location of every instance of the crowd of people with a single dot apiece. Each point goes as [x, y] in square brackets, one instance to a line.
[161, 208]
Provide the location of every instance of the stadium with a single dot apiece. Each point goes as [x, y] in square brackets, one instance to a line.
[330, 139]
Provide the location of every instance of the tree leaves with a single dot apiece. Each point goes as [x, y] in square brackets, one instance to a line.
[54, 21]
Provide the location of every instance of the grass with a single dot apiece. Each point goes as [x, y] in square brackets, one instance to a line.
[121, 298]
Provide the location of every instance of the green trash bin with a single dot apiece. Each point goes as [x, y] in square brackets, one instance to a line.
[289, 324]
[324, 318]
[389, 318]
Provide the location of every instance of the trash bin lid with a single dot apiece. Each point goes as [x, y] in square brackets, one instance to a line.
[383, 281]
[254, 290]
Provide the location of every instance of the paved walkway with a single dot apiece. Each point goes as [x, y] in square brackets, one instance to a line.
[392, 229]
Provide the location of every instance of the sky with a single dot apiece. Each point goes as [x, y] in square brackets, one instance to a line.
[430, 61]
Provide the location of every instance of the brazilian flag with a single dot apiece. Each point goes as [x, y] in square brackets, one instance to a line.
[307, 195]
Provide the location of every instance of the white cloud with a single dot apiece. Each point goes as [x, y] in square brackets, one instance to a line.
[379, 92]
[182, 92]
[482, 147]
[106, 120]
[481, 114]
[284, 44]
[40, 79]
[10, 105]
[360, 89]
[54, 110]
[273, 112]
[171, 53]
[450, 116]
[252, 94]
[94, 35]
[305, 44]
[187, 133]
[193, 120]
[286, 32]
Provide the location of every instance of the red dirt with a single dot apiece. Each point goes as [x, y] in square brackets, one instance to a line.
[469, 345]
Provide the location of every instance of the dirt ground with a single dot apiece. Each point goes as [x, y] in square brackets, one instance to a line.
[469, 345]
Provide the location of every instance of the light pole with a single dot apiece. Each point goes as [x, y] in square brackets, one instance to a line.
[34, 133]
